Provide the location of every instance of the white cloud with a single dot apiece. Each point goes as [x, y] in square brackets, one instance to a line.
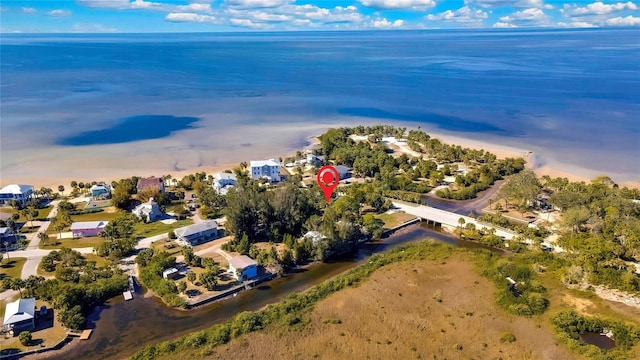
[577, 24]
[512, 3]
[624, 21]
[248, 24]
[28, 10]
[92, 28]
[256, 3]
[462, 15]
[531, 14]
[598, 8]
[399, 4]
[504, 25]
[386, 24]
[59, 13]
[189, 17]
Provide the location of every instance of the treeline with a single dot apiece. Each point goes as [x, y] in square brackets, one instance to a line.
[78, 286]
[601, 227]
[290, 311]
[152, 264]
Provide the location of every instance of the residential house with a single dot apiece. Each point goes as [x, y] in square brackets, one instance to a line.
[343, 171]
[315, 236]
[222, 182]
[170, 274]
[269, 169]
[100, 191]
[149, 211]
[151, 183]
[243, 267]
[314, 160]
[20, 193]
[87, 228]
[20, 315]
[7, 235]
[197, 233]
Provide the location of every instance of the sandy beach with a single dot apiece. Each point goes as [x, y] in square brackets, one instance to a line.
[177, 157]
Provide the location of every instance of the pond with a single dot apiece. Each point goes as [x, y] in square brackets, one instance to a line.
[601, 341]
[121, 328]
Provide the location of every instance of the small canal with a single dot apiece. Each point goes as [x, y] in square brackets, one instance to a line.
[121, 328]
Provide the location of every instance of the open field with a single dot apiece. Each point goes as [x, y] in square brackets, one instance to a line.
[394, 219]
[156, 228]
[11, 268]
[52, 243]
[170, 247]
[97, 216]
[414, 309]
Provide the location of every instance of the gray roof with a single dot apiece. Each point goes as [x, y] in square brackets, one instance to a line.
[19, 310]
[241, 262]
[226, 176]
[84, 225]
[194, 229]
[5, 231]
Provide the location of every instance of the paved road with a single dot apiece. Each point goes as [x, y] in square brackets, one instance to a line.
[31, 265]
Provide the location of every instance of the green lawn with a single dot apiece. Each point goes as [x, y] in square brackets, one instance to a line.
[395, 219]
[11, 268]
[98, 216]
[100, 261]
[160, 246]
[176, 206]
[28, 229]
[70, 243]
[156, 228]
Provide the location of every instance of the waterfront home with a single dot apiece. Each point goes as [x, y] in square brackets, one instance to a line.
[197, 233]
[268, 169]
[243, 267]
[314, 160]
[20, 315]
[21, 193]
[7, 235]
[100, 191]
[222, 182]
[170, 274]
[315, 236]
[149, 211]
[150, 183]
[87, 228]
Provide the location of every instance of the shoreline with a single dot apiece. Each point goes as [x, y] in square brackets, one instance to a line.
[539, 163]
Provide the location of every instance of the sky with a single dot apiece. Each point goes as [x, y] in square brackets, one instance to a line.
[145, 16]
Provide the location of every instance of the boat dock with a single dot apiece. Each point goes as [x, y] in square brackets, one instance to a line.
[127, 295]
[84, 335]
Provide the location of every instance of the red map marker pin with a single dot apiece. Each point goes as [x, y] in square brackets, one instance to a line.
[328, 178]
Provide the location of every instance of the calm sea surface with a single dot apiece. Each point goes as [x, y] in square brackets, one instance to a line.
[571, 95]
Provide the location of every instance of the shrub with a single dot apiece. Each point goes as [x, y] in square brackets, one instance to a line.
[507, 337]
[25, 338]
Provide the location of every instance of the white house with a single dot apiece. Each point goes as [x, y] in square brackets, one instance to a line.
[20, 315]
[101, 190]
[197, 233]
[314, 160]
[269, 169]
[315, 236]
[21, 193]
[243, 267]
[222, 182]
[149, 211]
[171, 273]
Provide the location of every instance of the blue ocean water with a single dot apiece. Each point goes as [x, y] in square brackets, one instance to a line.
[574, 94]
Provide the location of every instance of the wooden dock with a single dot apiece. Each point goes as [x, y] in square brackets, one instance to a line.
[84, 335]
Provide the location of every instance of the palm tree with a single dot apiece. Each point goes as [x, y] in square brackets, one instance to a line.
[17, 284]
[43, 238]
[243, 165]
[61, 189]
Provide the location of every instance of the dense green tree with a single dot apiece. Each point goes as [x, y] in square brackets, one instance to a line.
[208, 279]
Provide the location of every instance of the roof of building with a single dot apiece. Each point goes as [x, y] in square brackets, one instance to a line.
[189, 230]
[342, 168]
[16, 189]
[19, 310]
[100, 186]
[169, 271]
[314, 235]
[83, 225]
[225, 176]
[241, 262]
[149, 182]
[5, 230]
[261, 163]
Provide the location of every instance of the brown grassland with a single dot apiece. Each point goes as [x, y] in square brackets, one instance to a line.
[406, 310]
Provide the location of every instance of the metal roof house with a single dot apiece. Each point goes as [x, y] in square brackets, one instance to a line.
[197, 233]
[20, 193]
[87, 228]
[243, 267]
[223, 181]
[149, 211]
[20, 315]
[269, 169]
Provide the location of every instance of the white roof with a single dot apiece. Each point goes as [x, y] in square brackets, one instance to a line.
[189, 230]
[16, 189]
[83, 225]
[19, 310]
[170, 271]
[5, 230]
[241, 262]
[225, 176]
[261, 163]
